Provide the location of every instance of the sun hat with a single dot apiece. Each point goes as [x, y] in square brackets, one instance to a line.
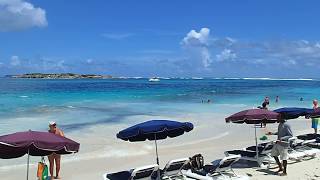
[52, 123]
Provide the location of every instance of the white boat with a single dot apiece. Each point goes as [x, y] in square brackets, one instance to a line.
[154, 79]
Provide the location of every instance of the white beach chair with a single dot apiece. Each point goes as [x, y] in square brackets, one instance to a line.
[140, 173]
[218, 170]
[311, 140]
[250, 154]
[302, 149]
[173, 168]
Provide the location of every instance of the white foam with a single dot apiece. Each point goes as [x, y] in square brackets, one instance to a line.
[279, 79]
[267, 78]
[24, 96]
[182, 94]
[231, 78]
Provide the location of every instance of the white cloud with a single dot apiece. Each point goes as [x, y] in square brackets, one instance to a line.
[19, 14]
[195, 38]
[15, 61]
[45, 64]
[292, 62]
[116, 36]
[198, 42]
[89, 61]
[206, 57]
[231, 40]
[60, 65]
[226, 54]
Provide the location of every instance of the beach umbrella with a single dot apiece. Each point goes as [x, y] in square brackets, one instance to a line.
[254, 116]
[35, 143]
[293, 112]
[154, 130]
[314, 113]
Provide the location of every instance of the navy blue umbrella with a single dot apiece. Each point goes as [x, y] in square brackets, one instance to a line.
[293, 112]
[155, 130]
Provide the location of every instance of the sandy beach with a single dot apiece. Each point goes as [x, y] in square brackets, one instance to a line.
[101, 152]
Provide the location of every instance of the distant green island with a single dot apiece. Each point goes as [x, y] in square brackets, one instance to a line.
[59, 76]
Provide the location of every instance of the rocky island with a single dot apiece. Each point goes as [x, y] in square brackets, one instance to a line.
[59, 76]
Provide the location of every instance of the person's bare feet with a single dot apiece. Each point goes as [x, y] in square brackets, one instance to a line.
[280, 170]
[282, 174]
[57, 177]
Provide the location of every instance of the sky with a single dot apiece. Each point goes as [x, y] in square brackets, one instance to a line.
[168, 38]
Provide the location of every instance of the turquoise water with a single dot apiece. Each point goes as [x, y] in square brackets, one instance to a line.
[75, 104]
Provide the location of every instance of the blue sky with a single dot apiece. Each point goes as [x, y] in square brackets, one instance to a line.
[161, 38]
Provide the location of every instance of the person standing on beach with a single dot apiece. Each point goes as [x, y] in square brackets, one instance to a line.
[277, 99]
[54, 158]
[315, 121]
[281, 147]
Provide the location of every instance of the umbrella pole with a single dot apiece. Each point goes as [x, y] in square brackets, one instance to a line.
[155, 142]
[256, 139]
[28, 165]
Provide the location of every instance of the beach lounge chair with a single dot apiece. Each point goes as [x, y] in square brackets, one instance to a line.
[218, 170]
[141, 173]
[311, 140]
[314, 144]
[173, 168]
[310, 136]
[250, 154]
[301, 147]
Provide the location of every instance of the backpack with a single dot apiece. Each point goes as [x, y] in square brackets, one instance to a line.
[42, 172]
[196, 162]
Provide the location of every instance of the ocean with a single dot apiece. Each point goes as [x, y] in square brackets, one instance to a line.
[74, 104]
[92, 111]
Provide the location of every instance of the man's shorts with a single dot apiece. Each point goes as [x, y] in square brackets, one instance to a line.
[281, 151]
[315, 122]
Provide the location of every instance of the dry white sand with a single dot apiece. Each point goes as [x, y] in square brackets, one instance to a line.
[101, 152]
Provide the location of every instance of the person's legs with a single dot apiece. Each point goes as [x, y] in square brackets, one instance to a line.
[284, 157]
[279, 163]
[51, 164]
[315, 125]
[284, 166]
[275, 153]
[57, 160]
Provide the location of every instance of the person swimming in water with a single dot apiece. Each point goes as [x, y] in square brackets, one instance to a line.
[265, 103]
